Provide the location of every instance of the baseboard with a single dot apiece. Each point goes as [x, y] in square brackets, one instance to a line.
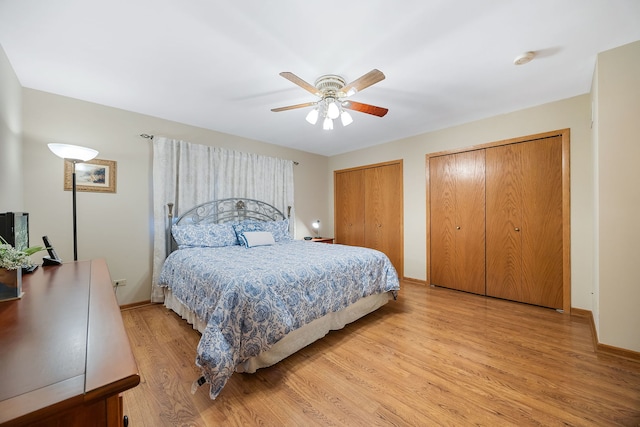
[604, 348]
[619, 352]
[592, 324]
[134, 305]
[415, 281]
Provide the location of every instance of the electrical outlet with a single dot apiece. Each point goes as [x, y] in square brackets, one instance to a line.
[120, 282]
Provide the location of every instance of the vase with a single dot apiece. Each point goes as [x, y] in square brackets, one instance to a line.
[10, 284]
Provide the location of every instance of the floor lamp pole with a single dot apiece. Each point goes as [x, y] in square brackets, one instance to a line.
[75, 229]
[74, 154]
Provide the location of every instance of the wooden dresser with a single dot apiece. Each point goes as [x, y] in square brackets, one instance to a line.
[64, 353]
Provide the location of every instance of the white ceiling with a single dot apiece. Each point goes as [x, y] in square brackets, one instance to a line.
[215, 64]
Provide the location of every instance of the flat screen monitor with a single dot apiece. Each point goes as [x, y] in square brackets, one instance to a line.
[14, 228]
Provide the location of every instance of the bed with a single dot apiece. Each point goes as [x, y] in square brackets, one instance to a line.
[258, 296]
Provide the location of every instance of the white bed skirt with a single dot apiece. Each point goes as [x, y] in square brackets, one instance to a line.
[294, 340]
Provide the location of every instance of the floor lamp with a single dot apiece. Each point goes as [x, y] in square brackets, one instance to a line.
[74, 154]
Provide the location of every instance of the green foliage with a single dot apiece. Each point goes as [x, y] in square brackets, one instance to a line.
[13, 259]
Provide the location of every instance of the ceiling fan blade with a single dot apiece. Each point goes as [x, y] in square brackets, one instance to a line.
[304, 85]
[372, 77]
[293, 107]
[365, 108]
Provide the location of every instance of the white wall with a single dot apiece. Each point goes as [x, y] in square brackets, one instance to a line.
[573, 113]
[11, 189]
[618, 145]
[118, 226]
[595, 300]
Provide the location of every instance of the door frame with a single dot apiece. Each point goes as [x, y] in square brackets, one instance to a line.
[564, 134]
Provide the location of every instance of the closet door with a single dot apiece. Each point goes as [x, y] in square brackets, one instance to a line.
[457, 191]
[383, 211]
[349, 207]
[525, 223]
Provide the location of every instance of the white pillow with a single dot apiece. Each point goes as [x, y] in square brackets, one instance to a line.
[257, 238]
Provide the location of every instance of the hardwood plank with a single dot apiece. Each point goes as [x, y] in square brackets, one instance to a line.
[433, 357]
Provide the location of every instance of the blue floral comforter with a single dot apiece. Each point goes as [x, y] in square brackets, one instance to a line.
[251, 297]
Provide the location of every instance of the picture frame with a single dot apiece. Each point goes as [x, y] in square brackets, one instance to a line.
[96, 175]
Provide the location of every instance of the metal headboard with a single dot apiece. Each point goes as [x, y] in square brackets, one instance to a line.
[224, 210]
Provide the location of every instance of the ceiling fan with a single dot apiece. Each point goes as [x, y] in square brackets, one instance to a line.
[332, 91]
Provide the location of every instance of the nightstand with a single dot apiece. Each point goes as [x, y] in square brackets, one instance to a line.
[323, 239]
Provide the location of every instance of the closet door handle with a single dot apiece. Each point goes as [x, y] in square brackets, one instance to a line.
[517, 229]
[458, 227]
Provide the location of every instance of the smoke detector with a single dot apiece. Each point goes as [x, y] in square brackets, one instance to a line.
[524, 58]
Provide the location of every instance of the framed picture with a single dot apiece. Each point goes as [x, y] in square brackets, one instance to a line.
[94, 175]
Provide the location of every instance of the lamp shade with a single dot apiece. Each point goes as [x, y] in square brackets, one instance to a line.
[346, 118]
[73, 152]
[312, 117]
[333, 111]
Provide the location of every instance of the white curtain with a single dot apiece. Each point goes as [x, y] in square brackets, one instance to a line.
[187, 175]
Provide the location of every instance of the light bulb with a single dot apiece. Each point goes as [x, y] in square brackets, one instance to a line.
[346, 118]
[312, 117]
[333, 111]
[327, 124]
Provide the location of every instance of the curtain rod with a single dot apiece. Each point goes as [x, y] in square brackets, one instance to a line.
[147, 136]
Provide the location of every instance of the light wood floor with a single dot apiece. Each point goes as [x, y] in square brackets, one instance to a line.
[434, 357]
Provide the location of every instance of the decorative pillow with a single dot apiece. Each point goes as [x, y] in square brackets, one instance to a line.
[279, 229]
[204, 236]
[257, 238]
[247, 226]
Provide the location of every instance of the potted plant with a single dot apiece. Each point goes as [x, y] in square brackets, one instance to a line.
[12, 261]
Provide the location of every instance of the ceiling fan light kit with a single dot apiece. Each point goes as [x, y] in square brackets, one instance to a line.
[333, 111]
[327, 124]
[312, 117]
[345, 118]
[332, 91]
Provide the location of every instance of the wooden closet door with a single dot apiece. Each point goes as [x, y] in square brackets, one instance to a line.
[349, 207]
[504, 220]
[542, 225]
[383, 211]
[443, 214]
[457, 191]
[524, 222]
[470, 221]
